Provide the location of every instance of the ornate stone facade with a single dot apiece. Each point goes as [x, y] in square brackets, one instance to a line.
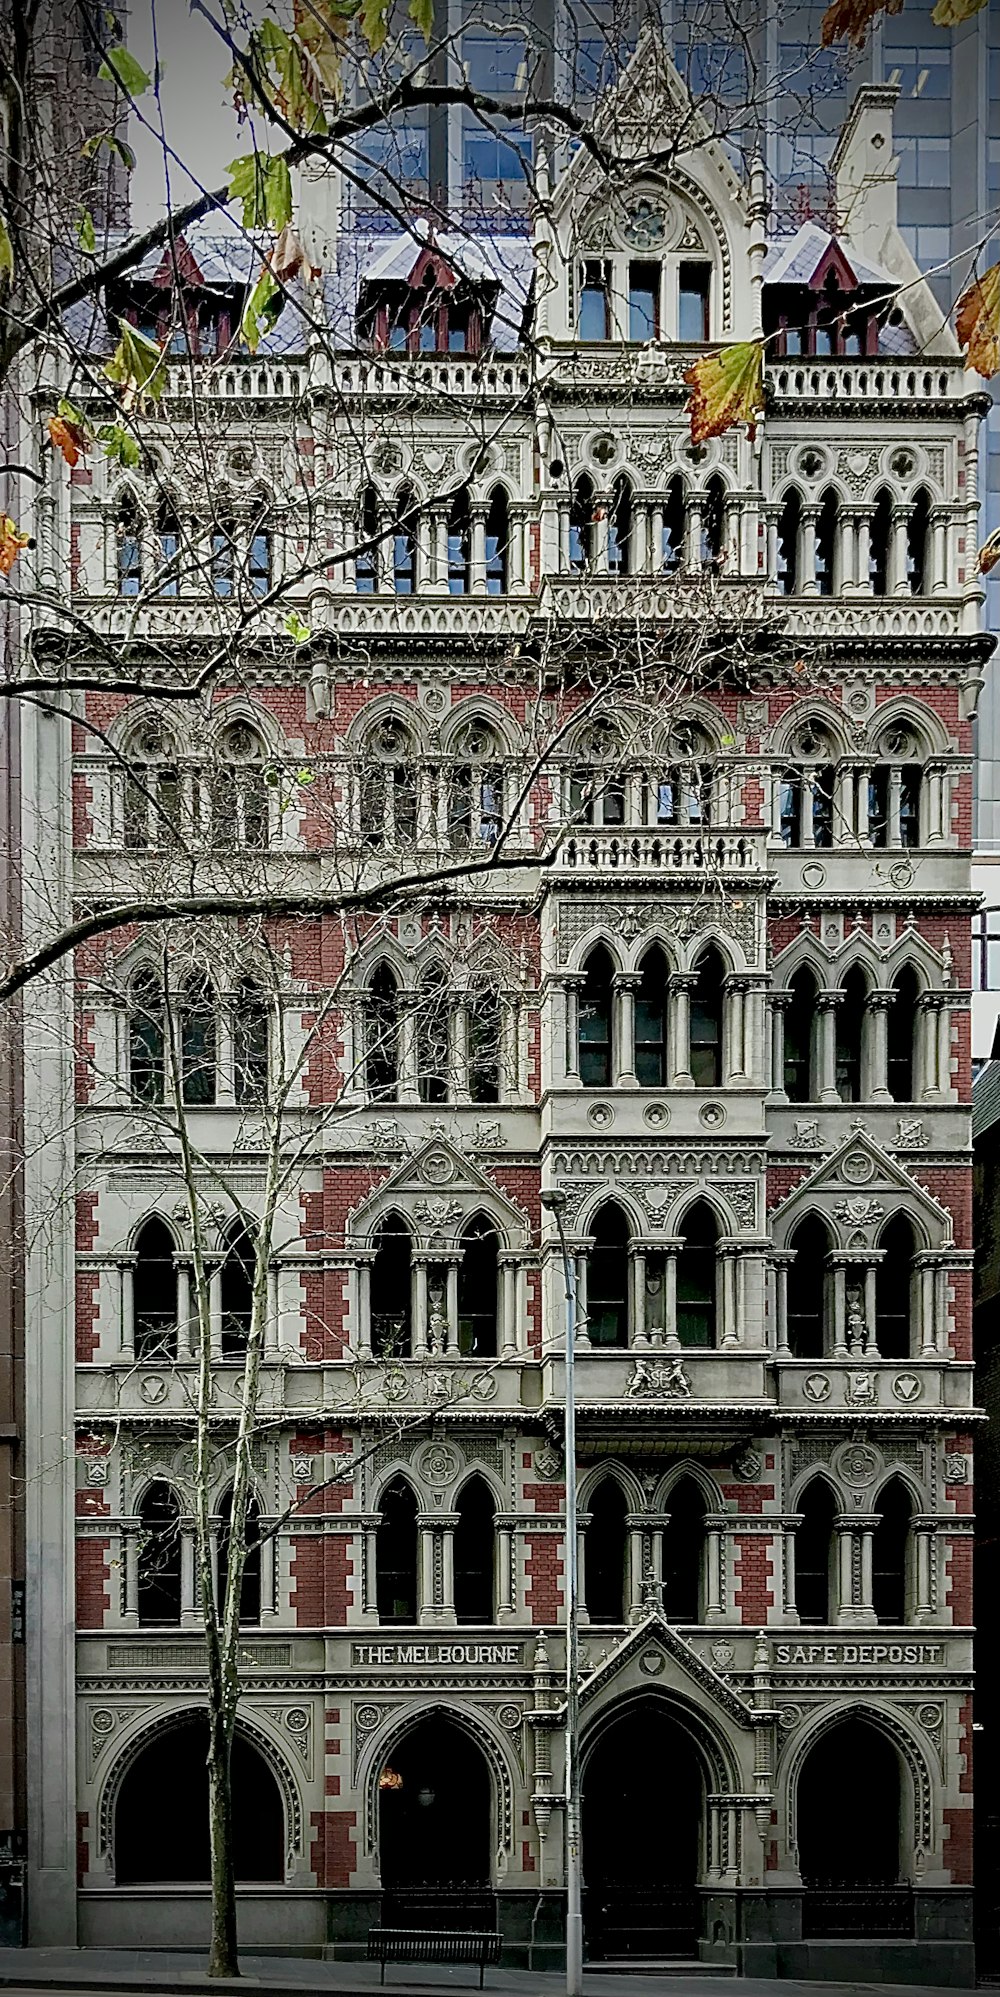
[733, 1031]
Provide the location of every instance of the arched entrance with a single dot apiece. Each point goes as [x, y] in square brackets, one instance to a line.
[641, 1837]
[850, 1857]
[435, 1840]
[161, 1816]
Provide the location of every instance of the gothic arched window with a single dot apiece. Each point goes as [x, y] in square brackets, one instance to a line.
[605, 1553]
[851, 1035]
[473, 1552]
[154, 1293]
[497, 543]
[608, 1278]
[651, 1020]
[800, 1036]
[146, 1038]
[460, 545]
[696, 1276]
[917, 535]
[806, 1289]
[240, 809]
[789, 527]
[396, 1554]
[713, 523]
[236, 1287]
[595, 1029]
[366, 560]
[159, 1561]
[168, 536]
[250, 1583]
[684, 1553]
[707, 1012]
[390, 1290]
[433, 1037]
[880, 543]
[251, 1043]
[674, 526]
[404, 546]
[814, 1553]
[128, 536]
[891, 1552]
[478, 1282]
[893, 1288]
[827, 529]
[484, 1029]
[382, 1036]
[197, 1040]
[581, 524]
[901, 1036]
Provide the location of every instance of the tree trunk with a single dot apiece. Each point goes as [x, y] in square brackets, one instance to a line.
[223, 1958]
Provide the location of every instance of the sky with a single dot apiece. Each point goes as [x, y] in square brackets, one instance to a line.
[197, 111]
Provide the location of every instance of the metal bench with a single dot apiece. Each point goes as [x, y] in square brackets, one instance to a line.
[433, 1945]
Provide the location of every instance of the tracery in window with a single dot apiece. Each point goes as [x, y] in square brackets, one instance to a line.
[151, 790]
[475, 790]
[389, 785]
[240, 807]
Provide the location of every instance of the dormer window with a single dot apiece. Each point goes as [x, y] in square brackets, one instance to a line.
[433, 310]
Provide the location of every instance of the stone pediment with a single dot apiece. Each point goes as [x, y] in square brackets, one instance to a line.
[654, 1654]
[438, 1191]
[641, 115]
[857, 1188]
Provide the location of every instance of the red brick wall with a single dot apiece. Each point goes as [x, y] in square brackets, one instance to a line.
[334, 1849]
[543, 1567]
[92, 1582]
[958, 1819]
[754, 1571]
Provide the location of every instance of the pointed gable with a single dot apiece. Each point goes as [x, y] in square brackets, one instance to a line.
[438, 1190]
[856, 1190]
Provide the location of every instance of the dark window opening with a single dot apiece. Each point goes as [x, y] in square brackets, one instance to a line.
[605, 1554]
[826, 543]
[644, 301]
[595, 302]
[237, 1279]
[382, 1036]
[683, 1553]
[473, 1553]
[800, 1030]
[250, 1027]
[366, 560]
[789, 527]
[595, 1021]
[154, 1294]
[880, 543]
[146, 1039]
[806, 1287]
[893, 1284]
[608, 1278]
[620, 529]
[497, 543]
[396, 1555]
[159, 1562]
[250, 1580]
[170, 1844]
[478, 1286]
[651, 1017]
[696, 1277]
[674, 527]
[198, 1043]
[433, 1038]
[814, 1551]
[707, 1005]
[581, 525]
[390, 1290]
[890, 1552]
[850, 1036]
[901, 1035]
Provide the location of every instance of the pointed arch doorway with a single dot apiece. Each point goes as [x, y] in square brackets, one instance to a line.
[643, 1809]
[435, 1836]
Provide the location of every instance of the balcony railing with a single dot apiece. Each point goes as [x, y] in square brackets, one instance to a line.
[662, 853]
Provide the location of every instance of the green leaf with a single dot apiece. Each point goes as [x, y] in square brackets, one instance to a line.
[114, 145]
[264, 185]
[6, 253]
[261, 309]
[120, 447]
[137, 364]
[374, 18]
[86, 235]
[305, 776]
[422, 13]
[301, 633]
[70, 413]
[121, 68]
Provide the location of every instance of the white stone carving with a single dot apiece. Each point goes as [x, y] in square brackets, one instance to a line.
[488, 1135]
[302, 1469]
[956, 1469]
[907, 1387]
[652, 1378]
[859, 1213]
[816, 1386]
[910, 1133]
[862, 1388]
[806, 1134]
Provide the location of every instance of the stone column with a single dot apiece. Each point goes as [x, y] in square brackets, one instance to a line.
[129, 1542]
[899, 582]
[636, 1525]
[733, 1036]
[428, 1606]
[682, 985]
[573, 983]
[844, 1605]
[637, 1278]
[370, 1571]
[938, 551]
[772, 514]
[190, 1605]
[477, 578]
[126, 1308]
[418, 1306]
[790, 1526]
[864, 554]
[924, 1531]
[214, 1273]
[877, 1004]
[782, 1260]
[807, 546]
[626, 985]
[716, 1528]
[826, 1004]
[447, 1521]
[506, 1607]
[582, 1522]
[509, 1312]
[778, 1003]
[671, 1250]
[727, 1260]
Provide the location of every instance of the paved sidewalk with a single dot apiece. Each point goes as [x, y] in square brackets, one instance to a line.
[155, 1973]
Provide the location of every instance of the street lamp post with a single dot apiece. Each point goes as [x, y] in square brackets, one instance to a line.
[555, 1201]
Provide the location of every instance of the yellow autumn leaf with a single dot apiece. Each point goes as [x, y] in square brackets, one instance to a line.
[11, 542]
[726, 388]
[951, 13]
[989, 553]
[977, 319]
[851, 19]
